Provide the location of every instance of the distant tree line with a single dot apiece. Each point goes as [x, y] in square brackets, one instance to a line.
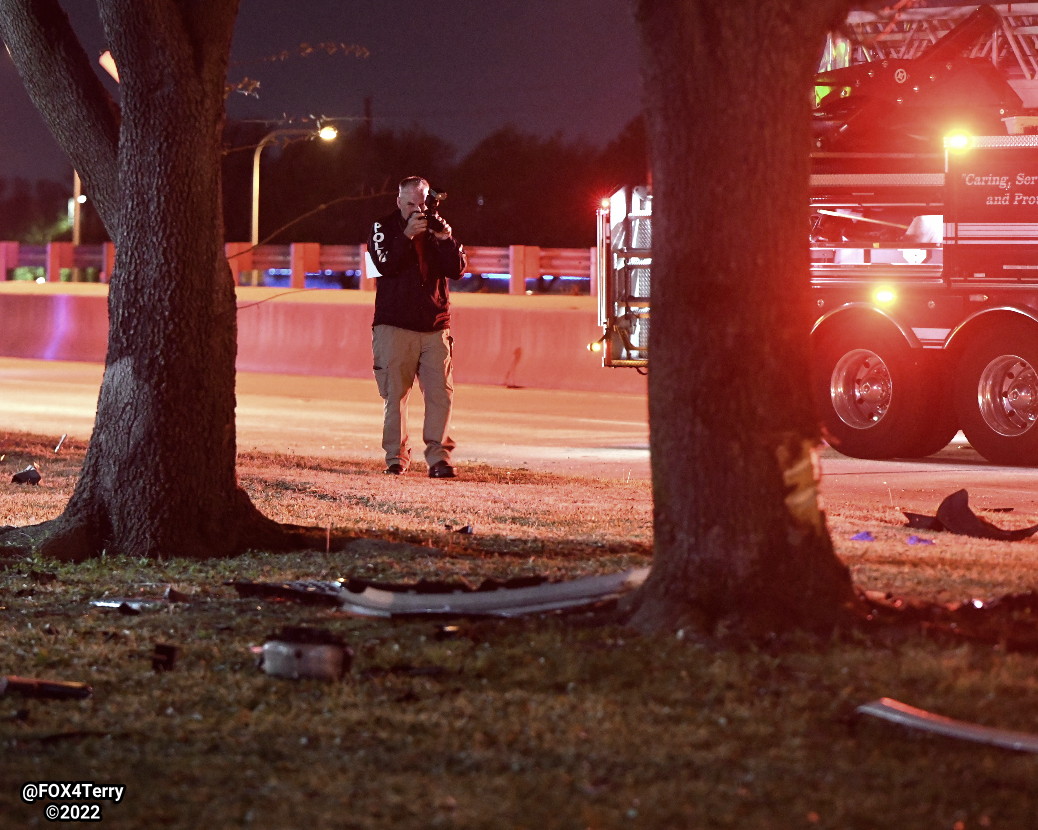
[513, 188]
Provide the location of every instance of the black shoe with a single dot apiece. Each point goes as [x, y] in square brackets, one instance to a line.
[394, 470]
[441, 469]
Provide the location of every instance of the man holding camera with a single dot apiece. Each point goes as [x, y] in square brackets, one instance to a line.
[415, 254]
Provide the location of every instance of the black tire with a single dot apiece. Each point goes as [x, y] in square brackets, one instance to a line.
[935, 396]
[996, 395]
[936, 436]
[870, 393]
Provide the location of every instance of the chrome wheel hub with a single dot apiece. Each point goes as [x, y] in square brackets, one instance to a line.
[860, 389]
[1007, 395]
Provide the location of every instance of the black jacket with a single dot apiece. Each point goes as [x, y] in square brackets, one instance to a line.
[408, 294]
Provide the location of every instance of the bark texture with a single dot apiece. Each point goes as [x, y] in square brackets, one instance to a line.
[159, 477]
[740, 541]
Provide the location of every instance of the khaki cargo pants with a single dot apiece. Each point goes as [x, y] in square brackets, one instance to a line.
[401, 356]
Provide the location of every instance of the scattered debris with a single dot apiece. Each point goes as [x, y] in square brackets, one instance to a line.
[460, 529]
[48, 689]
[130, 607]
[901, 713]
[29, 475]
[309, 592]
[955, 516]
[171, 594]
[62, 441]
[864, 536]
[296, 652]
[919, 540]
[1007, 622]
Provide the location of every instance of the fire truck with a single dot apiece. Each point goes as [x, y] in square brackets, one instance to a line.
[924, 258]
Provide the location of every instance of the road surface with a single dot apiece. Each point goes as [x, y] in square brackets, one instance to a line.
[582, 433]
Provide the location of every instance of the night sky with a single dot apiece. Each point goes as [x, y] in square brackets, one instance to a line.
[459, 69]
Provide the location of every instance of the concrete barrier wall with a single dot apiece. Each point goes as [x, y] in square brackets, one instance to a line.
[532, 341]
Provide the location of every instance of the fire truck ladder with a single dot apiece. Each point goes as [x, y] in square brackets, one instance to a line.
[1008, 37]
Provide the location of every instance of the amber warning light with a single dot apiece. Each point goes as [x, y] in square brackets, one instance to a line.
[884, 296]
[958, 141]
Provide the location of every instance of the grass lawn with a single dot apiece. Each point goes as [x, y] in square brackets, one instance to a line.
[552, 722]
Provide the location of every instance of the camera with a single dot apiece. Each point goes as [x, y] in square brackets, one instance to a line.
[432, 206]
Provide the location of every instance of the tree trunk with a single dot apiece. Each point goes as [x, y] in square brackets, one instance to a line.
[739, 539]
[159, 476]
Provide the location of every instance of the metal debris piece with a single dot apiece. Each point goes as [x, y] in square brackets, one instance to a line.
[514, 598]
[901, 713]
[955, 516]
[502, 602]
[29, 475]
[49, 689]
[296, 652]
[130, 607]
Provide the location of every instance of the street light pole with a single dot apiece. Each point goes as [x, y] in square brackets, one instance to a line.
[327, 133]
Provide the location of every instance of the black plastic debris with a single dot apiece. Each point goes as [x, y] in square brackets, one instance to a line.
[47, 689]
[164, 657]
[30, 475]
[955, 516]
[300, 651]
[920, 522]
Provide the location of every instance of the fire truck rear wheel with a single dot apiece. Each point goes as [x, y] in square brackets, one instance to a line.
[996, 395]
[871, 396]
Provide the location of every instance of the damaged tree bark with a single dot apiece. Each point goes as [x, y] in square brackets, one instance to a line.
[739, 539]
[159, 477]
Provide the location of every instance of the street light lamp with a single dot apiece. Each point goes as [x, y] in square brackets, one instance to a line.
[326, 133]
